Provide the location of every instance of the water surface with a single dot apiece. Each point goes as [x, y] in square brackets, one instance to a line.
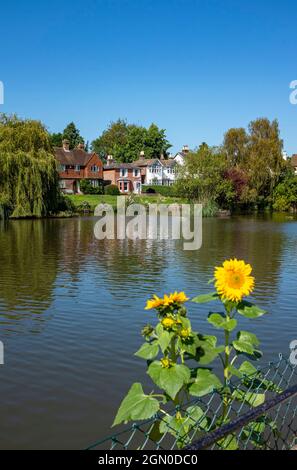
[71, 308]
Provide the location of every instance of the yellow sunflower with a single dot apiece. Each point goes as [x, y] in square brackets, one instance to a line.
[179, 297]
[233, 280]
[168, 322]
[176, 297]
[155, 302]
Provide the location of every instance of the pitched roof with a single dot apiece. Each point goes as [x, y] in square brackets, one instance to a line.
[73, 157]
[115, 166]
[146, 161]
[294, 160]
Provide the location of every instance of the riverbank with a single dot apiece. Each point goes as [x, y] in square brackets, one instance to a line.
[92, 200]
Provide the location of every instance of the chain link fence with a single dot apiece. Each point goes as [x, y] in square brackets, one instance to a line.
[271, 425]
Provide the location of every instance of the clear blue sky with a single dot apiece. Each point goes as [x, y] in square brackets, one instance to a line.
[194, 67]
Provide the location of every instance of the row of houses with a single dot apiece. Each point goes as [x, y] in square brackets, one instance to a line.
[76, 165]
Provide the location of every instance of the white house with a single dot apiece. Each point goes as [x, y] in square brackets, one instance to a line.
[181, 156]
[157, 171]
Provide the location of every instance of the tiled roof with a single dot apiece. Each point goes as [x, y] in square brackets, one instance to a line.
[116, 166]
[73, 157]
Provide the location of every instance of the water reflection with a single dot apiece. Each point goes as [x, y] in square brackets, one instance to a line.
[85, 299]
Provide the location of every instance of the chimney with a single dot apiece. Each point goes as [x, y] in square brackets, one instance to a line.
[66, 145]
[109, 160]
[81, 146]
[142, 156]
[162, 156]
[185, 149]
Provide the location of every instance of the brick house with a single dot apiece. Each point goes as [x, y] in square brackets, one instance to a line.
[76, 165]
[126, 176]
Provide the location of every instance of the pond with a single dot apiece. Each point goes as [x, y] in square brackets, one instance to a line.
[72, 307]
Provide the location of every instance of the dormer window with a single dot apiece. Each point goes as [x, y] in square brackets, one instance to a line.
[77, 167]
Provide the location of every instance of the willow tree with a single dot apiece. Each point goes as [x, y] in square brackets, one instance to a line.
[28, 170]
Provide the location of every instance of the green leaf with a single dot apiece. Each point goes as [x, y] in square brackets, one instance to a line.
[245, 342]
[148, 351]
[136, 406]
[219, 320]
[207, 350]
[177, 427]
[169, 379]
[247, 368]
[252, 399]
[205, 382]
[164, 339]
[229, 442]
[250, 310]
[197, 417]
[205, 298]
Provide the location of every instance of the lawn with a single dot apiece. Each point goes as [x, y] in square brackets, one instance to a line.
[93, 199]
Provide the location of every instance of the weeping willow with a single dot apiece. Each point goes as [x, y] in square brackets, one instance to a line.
[28, 173]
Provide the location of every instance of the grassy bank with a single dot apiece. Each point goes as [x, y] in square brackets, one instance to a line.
[93, 200]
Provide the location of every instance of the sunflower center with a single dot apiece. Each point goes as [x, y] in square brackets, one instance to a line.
[235, 280]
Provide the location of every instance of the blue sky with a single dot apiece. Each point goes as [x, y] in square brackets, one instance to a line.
[194, 67]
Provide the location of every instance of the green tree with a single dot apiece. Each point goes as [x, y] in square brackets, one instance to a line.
[203, 177]
[285, 194]
[236, 145]
[28, 173]
[125, 141]
[56, 139]
[72, 134]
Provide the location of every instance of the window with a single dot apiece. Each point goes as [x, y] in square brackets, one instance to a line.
[94, 168]
[62, 167]
[136, 172]
[77, 167]
[62, 184]
[95, 183]
[125, 186]
[123, 172]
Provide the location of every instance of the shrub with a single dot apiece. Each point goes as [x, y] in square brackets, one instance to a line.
[112, 190]
[163, 190]
[87, 188]
[65, 204]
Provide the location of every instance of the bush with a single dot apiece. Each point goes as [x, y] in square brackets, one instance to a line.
[87, 188]
[112, 190]
[163, 190]
[65, 204]
[285, 195]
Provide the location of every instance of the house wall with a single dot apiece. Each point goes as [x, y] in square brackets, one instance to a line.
[95, 160]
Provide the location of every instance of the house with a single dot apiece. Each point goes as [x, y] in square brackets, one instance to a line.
[127, 176]
[181, 156]
[76, 165]
[156, 171]
[294, 163]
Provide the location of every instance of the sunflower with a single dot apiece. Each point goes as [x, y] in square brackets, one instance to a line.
[179, 297]
[233, 280]
[168, 322]
[155, 302]
[175, 298]
[166, 363]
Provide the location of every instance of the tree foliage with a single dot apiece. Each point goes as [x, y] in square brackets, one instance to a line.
[28, 174]
[70, 133]
[125, 141]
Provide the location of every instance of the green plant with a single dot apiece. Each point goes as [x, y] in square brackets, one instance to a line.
[87, 187]
[112, 190]
[178, 358]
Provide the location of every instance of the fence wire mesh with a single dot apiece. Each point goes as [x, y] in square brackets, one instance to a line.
[271, 425]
